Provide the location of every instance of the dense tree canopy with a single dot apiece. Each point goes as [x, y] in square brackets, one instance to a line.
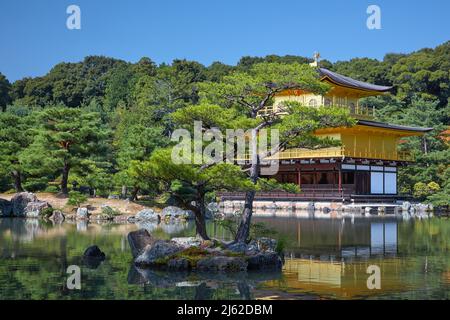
[113, 115]
[5, 92]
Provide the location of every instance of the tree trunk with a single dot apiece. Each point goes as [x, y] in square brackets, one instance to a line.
[425, 145]
[124, 192]
[200, 223]
[17, 181]
[65, 178]
[244, 226]
[134, 193]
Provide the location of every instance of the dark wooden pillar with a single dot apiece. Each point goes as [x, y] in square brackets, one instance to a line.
[340, 178]
[299, 177]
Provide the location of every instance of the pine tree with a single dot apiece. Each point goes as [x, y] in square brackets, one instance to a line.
[64, 139]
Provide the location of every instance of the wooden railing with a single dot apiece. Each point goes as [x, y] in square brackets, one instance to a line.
[337, 152]
[358, 112]
[361, 112]
[316, 193]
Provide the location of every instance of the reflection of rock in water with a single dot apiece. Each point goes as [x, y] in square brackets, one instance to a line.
[147, 225]
[173, 227]
[22, 230]
[203, 292]
[92, 263]
[155, 278]
[204, 282]
[82, 225]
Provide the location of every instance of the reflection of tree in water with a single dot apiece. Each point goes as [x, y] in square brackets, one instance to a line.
[207, 285]
[203, 292]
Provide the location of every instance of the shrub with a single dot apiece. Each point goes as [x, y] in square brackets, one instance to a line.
[229, 224]
[433, 187]
[257, 229]
[35, 184]
[76, 198]
[420, 190]
[110, 212]
[47, 212]
[281, 245]
[52, 189]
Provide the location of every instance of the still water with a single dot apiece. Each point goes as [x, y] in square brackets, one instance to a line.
[325, 259]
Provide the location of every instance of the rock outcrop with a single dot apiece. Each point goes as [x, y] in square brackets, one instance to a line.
[264, 261]
[93, 257]
[222, 263]
[172, 212]
[34, 209]
[94, 252]
[147, 215]
[192, 253]
[82, 213]
[20, 201]
[5, 208]
[23, 205]
[187, 242]
[57, 216]
[139, 240]
[153, 254]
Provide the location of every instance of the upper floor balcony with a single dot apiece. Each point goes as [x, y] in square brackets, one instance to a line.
[356, 111]
[339, 152]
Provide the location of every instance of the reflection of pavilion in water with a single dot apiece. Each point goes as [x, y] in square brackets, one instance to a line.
[335, 239]
[330, 257]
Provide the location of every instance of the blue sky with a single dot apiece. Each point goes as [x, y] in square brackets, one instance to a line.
[34, 37]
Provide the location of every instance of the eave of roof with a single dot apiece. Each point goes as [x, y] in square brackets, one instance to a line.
[392, 126]
[349, 82]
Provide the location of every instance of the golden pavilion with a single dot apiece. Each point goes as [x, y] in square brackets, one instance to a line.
[364, 167]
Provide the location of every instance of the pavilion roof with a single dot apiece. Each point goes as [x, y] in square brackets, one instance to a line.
[392, 126]
[344, 81]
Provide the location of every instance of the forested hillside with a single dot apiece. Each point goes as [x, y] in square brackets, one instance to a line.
[91, 123]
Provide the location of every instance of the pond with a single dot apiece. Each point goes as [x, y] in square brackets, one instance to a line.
[325, 259]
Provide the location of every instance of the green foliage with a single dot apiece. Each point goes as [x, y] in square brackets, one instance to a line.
[142, 103]
[423, 190]
[5, 92]
[257, 229]
[241, 89]
[274, 185]
[260, 229]
[76, 198]
[35, 184]
[228, 224]
[64, 139]
[51, 189]
[47, 212]
[110, 212]
[282, 242]
[71, 84]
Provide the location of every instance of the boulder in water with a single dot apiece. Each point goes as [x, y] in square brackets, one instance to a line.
[82, 213]
[147, 215]
[159, 250]
[20, 201]
[94, 252]
[34, 209]
[5, 208]
[139, 240]
[222, 263]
